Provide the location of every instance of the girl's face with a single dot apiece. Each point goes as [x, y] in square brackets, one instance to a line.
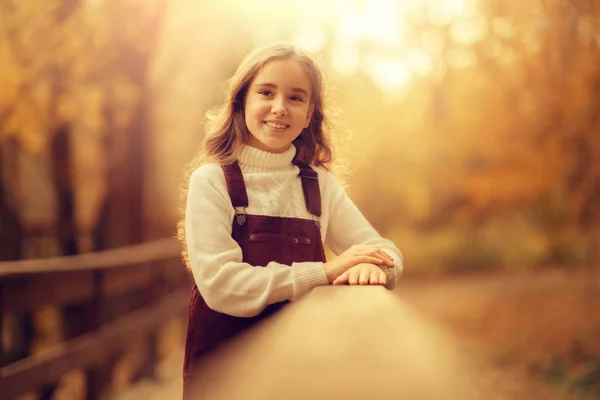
[278, 105]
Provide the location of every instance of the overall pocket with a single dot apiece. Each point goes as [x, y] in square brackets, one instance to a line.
[282, 248]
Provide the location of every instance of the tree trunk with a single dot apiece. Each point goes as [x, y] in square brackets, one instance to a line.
[127, 148]
[11, 232]
[62, 173]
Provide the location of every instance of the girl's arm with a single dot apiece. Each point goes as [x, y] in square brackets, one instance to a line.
[347, 226]
[227, 284]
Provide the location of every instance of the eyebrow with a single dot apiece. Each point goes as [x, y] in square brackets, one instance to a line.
[273, 86]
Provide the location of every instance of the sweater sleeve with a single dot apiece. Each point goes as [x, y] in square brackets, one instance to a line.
[347, 227]
[227, 284]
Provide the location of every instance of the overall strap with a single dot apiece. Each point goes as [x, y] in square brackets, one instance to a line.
[310, 187]
[235, 184]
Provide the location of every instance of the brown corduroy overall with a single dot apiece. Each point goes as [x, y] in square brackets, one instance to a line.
[262, 239]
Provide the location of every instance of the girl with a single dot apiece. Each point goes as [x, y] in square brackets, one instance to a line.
[263, 201]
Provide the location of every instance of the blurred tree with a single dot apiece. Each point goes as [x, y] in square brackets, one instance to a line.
[35, 71]
[133, 43]
[81, 66]
[538, 136]
[11, 234]
[503, 127]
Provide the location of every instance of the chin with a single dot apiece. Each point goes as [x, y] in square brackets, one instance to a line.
[276, 145]
[267, 141]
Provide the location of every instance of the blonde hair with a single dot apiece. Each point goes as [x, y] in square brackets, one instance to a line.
[226, 130]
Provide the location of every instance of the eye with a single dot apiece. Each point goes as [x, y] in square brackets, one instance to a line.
[296, 98]
[265, 92]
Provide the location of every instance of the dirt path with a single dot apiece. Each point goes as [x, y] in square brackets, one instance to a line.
[536, 332]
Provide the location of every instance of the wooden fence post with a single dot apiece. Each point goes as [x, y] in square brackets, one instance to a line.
[99, 376]
[2, 349]
[113, 299]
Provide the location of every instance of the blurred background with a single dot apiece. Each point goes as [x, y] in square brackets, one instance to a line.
[470, 129]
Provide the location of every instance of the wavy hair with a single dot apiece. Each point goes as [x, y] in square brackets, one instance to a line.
[226, 130]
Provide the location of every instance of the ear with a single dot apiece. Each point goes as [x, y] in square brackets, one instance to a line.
[311, 110]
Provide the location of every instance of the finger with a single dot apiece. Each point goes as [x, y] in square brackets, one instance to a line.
[364, 276]
[361, 247]
[370, 250]
[379, 254]
[374, 278]
[353, 277]
[341, 280]
[389, 261]
[382, 278]
[386, 255]
[368, 259]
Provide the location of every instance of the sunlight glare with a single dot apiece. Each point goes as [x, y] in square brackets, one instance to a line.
[468, 31]
[310, 39]
[377, 22]
[379, 38]
[344, 59]
[350, 26]
[444, 12]
[420, 62]
[389, 74]
[376, 37]
[381, 22]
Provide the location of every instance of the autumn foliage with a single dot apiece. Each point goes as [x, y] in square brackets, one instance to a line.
[471, 130]
[480, 120]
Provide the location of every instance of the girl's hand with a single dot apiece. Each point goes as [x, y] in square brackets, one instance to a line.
[362, 274]
[357, 255]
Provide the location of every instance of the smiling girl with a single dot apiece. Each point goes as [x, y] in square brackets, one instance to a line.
[261, 202]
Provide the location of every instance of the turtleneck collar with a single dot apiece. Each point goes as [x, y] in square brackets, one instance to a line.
[261, 159]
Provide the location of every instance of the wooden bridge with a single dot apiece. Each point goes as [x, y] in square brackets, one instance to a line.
[109, 301]
[337, 342]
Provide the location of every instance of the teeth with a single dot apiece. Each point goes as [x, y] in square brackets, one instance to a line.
[274, 125]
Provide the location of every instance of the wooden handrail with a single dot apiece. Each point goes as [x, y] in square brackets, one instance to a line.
[118, 297]
[343, 342]
[136, 254]
[90, 349]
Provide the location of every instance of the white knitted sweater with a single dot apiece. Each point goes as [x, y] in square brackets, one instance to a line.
[274, 188]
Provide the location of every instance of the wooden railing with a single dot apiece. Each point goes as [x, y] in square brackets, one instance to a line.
[340, 342]
[114, 299]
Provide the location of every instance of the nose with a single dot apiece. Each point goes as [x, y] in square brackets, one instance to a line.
[278, 107]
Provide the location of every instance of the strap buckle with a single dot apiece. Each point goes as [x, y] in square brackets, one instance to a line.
[240, 217]
[317, 222]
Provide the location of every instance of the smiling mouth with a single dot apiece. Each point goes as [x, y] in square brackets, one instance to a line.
[275, 125]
